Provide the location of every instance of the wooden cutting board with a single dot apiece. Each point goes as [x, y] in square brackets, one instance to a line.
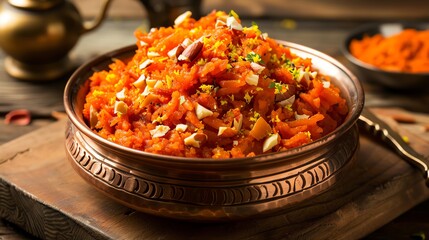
[40, 192]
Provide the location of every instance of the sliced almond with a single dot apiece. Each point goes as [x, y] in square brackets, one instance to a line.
[195, 140]
[182, 17]
[270, 142]
[191, 52]
[202, 112]
[159, 131]
[261, 129]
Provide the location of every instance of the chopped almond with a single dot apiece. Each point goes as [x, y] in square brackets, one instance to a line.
[121, 95]
[227, 132]
[232, 23]
[140, 82]
[202, 112]
[120, 107]
[270, 142]
[175, 52]
[182, 17]
[261, 129]
[159, 131]
[252, 79]
[181, 127]
[238, 122]
[145, 64]
[257, 67]
[195, 140]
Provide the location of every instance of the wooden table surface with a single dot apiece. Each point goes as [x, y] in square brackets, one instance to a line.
[323, 36]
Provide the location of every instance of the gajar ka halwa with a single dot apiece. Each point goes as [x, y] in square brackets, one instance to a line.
[211, 88]
[406, 51]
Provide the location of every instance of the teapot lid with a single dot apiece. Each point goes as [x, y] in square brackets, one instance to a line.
[35, 4]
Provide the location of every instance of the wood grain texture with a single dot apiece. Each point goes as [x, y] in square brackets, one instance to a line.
[42, 194]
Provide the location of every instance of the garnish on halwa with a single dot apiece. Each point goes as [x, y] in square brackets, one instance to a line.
[212, 88]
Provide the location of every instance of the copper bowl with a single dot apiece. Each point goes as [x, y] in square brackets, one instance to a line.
[208, 189]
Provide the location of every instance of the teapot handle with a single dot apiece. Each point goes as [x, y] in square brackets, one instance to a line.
[92, 25]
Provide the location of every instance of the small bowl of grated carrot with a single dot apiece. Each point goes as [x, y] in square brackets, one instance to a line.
[212, 120]
[394, 55]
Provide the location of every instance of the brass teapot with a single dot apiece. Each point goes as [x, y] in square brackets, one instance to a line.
[37, 35]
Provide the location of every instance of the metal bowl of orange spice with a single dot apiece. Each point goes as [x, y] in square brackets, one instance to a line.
[210, 120]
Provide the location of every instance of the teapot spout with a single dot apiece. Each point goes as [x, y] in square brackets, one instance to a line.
[88, 26]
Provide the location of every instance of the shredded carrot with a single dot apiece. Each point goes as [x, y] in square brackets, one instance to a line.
[407, 51]
[211, 89]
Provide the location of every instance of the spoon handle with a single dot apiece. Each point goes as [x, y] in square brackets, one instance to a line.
[376, 127]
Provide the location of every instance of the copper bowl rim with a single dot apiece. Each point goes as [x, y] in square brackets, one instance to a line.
[76, 80]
